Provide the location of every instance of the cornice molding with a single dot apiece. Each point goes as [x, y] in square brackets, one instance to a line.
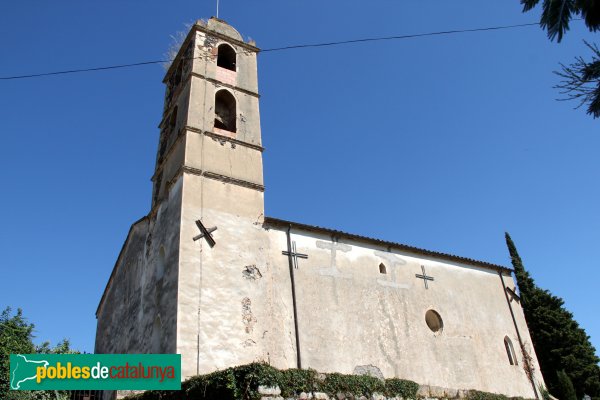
[229, 39]
[222, 178]
[225, 138]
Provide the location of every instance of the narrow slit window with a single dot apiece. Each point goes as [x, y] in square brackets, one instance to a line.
[156, 339]
[226, 57]
[160, 264]
[173, 120]
[178, 74]
[510, 351]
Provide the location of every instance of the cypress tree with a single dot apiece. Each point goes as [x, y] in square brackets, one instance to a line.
[566, 389]
[559, 342]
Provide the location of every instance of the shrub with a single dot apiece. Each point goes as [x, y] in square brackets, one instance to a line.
[477, 395]
[400, 387]
[358, 385]
[241, 383]
[295, 381]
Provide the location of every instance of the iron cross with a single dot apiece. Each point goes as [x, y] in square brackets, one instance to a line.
[205, 233]
[513, 295]
[424, 277]
[293, 255]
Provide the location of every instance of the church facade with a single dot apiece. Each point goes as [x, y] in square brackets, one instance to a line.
[207, 275]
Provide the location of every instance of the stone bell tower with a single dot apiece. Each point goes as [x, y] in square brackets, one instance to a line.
[178, 285]
[210, 145]
[211, 125]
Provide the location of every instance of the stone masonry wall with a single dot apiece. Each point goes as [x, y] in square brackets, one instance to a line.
[425, 392]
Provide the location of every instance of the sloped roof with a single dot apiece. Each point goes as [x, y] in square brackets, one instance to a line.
[400, 246]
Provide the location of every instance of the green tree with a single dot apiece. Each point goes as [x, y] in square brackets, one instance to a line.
[559, 342]
[566, 389]
[581, 79]
[16, 336]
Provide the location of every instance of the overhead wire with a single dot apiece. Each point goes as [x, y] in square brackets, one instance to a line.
[398, 37]
[275, 49]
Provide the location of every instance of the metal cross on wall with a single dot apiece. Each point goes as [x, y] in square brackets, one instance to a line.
[294, 256]
[513, 294]
[425, 277]
[205, 233]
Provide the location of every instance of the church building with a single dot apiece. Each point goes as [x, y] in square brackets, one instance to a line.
[207, 275]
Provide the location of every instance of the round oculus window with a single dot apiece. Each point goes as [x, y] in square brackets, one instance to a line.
[434, 321]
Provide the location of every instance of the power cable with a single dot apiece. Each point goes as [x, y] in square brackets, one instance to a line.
[416, 35]
[274, 49]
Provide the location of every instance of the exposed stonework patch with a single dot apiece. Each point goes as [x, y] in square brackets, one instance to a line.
[269, 390]
[209, 43]
[251, 272]
[248, 343]
[247, 317]
[425, 392]
[369, 370]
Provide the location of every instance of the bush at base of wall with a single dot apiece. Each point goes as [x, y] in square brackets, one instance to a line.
[242, 383]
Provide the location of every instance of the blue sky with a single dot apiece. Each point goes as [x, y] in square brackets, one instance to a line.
[443, 142]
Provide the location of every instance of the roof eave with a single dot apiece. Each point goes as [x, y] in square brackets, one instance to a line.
[399, 246]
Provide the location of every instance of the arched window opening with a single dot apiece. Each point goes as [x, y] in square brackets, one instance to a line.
[226, 57]
[510, 351]
[382, 269]
[225, 111]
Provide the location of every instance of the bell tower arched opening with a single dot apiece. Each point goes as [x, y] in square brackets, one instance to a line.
[226, 57]
[225, 111]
